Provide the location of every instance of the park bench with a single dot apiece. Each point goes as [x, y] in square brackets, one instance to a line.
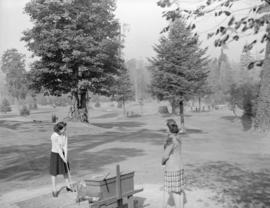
[110, 192]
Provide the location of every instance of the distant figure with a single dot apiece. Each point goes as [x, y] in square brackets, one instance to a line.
[173, 166]
[59, 153]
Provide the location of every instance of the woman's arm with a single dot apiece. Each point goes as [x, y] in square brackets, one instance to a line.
[66, 147]
[166, 154]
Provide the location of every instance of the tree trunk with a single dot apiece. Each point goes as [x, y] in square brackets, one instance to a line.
[262, 120]
[124, 107]
[78, 110]
[173, 105]
[181, 107]
[199, 103]
[141, 105]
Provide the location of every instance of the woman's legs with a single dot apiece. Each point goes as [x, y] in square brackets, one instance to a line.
[67, 179]
[165, 199]
[178, 200]
[53, 183]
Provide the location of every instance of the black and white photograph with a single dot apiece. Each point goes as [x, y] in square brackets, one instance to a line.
[134, 103]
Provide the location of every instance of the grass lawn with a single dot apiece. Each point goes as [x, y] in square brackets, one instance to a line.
[226, 165]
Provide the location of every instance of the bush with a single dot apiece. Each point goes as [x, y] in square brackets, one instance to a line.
[97, 104]
[54, 118]
[245, 98]
[5, 106]
[163, 110]
[119, 105]
[24, 111]
[131, 114]
[33, 106]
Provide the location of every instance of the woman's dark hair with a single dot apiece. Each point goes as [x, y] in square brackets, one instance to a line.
[59, 126]
[172, 126]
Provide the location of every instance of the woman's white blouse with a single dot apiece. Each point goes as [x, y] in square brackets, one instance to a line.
[59, 143]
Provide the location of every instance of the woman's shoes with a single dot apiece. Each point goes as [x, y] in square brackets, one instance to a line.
[69, 189]
[54, 194]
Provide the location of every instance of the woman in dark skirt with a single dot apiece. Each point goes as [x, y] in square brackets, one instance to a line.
[59, 152]
[173, 172]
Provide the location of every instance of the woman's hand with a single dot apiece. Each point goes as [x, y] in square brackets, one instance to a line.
[163, 161]
[65, 160]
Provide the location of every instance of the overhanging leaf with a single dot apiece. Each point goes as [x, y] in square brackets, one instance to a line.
[227, 13]
[231, 21]
[236, 37]
[222, 30]
[260, 63]
[261, 51]
[224, 40]
[263, 38]
[209, 35]
[251, 65]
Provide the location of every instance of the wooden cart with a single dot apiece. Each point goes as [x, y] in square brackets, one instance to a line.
[113, 192]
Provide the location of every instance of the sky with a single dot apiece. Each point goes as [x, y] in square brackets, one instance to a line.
[144, 20]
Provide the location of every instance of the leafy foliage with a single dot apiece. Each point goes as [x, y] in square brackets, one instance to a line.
[97, 104]
[235, 28]
[140, 78]
[255, 22]
[54, 118]
[5, 106]
[221, 77]
[244, 96]
[13, 65]
[122, 89]
[179, 69]
[24, 111]
[76, 43]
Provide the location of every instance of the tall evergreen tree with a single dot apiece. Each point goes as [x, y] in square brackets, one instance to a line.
[225, 72]
[179, 69]
[13, 65]
[77, 44]
[123, 89]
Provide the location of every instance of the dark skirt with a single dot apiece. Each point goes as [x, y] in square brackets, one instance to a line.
[57, 165]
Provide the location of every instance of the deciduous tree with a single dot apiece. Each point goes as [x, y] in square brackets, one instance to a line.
[77, 45]
[13, 65]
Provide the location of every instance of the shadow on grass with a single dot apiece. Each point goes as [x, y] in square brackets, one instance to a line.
[108, 115]
[41, 112]
[29, 162]
[232, 182]
[26, 162]
[99, 159]
[167, 115]
[188, 131]
[246, 121]
[118, 124]
[230, 118]
[19, 125]
[8, 116]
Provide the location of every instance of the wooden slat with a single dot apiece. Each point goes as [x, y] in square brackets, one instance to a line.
[114, 199]
[130, 202]
[118, 183]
